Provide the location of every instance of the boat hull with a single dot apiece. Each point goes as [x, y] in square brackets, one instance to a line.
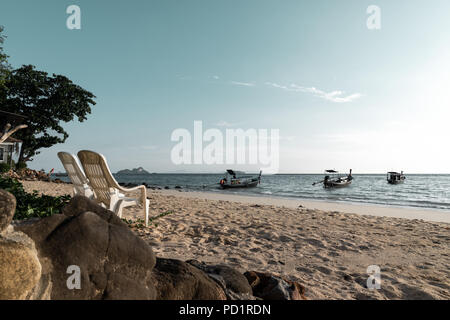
[337, 184]
[233, 186]
[396, 182]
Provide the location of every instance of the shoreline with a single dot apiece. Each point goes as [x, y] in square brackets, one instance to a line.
[370, 209]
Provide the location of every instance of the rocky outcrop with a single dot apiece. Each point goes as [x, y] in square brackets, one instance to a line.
[20, 269]
[270, 287]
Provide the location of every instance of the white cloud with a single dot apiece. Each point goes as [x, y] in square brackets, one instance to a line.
[216, 77]
[223, 123]
[244, 84]
[333, 96]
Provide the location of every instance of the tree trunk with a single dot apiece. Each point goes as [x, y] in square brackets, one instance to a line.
[21, 154]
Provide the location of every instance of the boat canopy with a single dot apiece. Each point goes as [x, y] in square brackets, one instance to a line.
[233, 173]
[331, 171]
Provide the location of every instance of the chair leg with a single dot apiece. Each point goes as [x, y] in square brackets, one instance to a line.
[118, 208]
[88, 193]
[113, 201]
[146, 209]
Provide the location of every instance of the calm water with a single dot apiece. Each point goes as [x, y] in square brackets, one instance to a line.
[421, 191]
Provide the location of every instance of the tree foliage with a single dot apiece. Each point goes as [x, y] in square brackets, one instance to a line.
[47, 102]
[4, 66]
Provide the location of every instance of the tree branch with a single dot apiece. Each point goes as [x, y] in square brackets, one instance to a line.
[7, 132]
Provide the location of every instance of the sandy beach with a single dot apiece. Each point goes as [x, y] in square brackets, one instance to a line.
[325, 246]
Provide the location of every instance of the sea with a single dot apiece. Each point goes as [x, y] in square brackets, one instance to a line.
[430, 191]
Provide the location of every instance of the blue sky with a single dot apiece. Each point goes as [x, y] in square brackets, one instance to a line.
[343, 96]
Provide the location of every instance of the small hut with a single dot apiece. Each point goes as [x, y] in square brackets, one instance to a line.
[9, 124]
[8, 148]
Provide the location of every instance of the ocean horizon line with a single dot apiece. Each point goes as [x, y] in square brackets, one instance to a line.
[280, 174]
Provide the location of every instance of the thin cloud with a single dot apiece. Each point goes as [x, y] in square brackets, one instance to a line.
[244, 84]
[333, 96]
[223, 123]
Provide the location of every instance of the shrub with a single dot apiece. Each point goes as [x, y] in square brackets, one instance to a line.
[21, 165]
[30, 205]
[4, 167]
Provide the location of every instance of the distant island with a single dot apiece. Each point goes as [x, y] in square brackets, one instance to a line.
[139, 170]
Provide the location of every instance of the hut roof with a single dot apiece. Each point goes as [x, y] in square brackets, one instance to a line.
[12, 140]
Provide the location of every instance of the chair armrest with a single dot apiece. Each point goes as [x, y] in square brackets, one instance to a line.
[141, 187]
[131, 189]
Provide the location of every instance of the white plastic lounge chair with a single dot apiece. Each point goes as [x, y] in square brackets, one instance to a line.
[106, 189]
[76, 175]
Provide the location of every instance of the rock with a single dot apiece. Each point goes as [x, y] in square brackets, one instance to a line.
[20, 269]
[269, 287]
[121, 287]
[252, 278]
[128, 185]
[228, 277]
[39, 229]
[28, 174]
[166, 187]
[178, 280]
[231, 295]
[114, 263]
[80, 204]
[43, 289]
[178, 187]
[7, 209]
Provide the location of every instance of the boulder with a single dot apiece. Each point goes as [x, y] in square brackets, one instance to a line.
[20, 269]
[114, 263]
[178, 280]
[229, 278]
[270, 287]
